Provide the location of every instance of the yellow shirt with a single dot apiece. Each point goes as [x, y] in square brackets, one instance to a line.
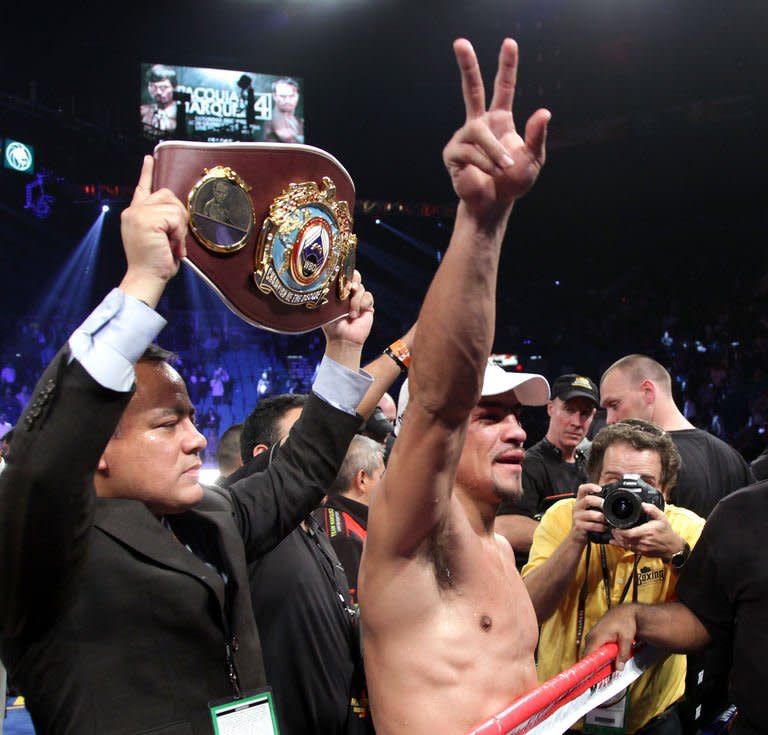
[662, 684]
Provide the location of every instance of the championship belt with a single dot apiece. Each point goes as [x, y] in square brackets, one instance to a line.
[270, 227]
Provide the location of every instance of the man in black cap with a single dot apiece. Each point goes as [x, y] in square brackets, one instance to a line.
[554, 467]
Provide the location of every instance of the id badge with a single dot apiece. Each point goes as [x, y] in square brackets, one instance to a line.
[252, 714]
[609, 717]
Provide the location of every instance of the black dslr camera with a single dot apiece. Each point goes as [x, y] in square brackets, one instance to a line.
[622, 504]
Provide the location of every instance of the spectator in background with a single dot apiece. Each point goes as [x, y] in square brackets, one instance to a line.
[211, 345]
[264, 384]
[198, 384]
[553, 468]
[344, 514]
[8, 374]
[9, 406]
[209, 422]
[218, 385]
[637, 386]
[47, 352]
[228, 456]
[689, 407]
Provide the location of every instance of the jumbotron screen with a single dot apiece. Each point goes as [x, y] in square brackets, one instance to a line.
[220, 105]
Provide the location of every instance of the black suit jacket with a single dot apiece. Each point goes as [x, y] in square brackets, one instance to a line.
[109, 624]
[310, 634]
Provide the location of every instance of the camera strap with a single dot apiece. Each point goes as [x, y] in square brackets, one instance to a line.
[632, 579]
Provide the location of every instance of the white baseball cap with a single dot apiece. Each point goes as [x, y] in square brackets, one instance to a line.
[528, 389]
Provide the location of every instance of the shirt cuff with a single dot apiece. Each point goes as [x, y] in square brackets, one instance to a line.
[341, 387]
[113, 338]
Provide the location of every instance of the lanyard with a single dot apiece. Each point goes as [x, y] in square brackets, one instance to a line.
[329, 568]
[606, 587]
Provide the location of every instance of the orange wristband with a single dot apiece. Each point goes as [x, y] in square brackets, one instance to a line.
[400, 353]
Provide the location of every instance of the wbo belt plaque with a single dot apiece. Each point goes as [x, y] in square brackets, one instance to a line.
[270, 227]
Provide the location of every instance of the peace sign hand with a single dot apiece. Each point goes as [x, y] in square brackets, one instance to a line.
[490, 164]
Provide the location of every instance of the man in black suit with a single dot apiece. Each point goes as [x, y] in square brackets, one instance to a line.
[301, 602]
[124, 601]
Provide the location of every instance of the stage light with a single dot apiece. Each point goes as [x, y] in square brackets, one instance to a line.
[105, 208]
[377, 221]
[68, 295]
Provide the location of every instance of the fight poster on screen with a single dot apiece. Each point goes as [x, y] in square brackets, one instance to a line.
[220, 105]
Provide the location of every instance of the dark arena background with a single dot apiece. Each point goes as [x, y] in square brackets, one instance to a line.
[646, 232]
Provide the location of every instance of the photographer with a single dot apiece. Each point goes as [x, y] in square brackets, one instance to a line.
[573, 579]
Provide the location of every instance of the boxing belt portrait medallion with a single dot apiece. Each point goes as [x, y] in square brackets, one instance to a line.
[270, 227]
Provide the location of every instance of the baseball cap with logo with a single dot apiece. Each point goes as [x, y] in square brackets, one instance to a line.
[575, 386]
[529, 389]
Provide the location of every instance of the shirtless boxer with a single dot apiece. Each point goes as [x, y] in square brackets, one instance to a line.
[448, 629]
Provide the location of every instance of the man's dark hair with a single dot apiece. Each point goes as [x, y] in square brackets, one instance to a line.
[158, 72]
[155, 353]
[640, 435]
[228, 450]
[261, 425]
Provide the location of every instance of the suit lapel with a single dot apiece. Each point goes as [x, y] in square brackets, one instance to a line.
[131, 523]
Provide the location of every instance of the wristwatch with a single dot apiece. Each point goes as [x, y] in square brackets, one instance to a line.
[678, 559]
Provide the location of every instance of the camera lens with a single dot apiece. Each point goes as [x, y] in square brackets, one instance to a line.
[622, 509]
